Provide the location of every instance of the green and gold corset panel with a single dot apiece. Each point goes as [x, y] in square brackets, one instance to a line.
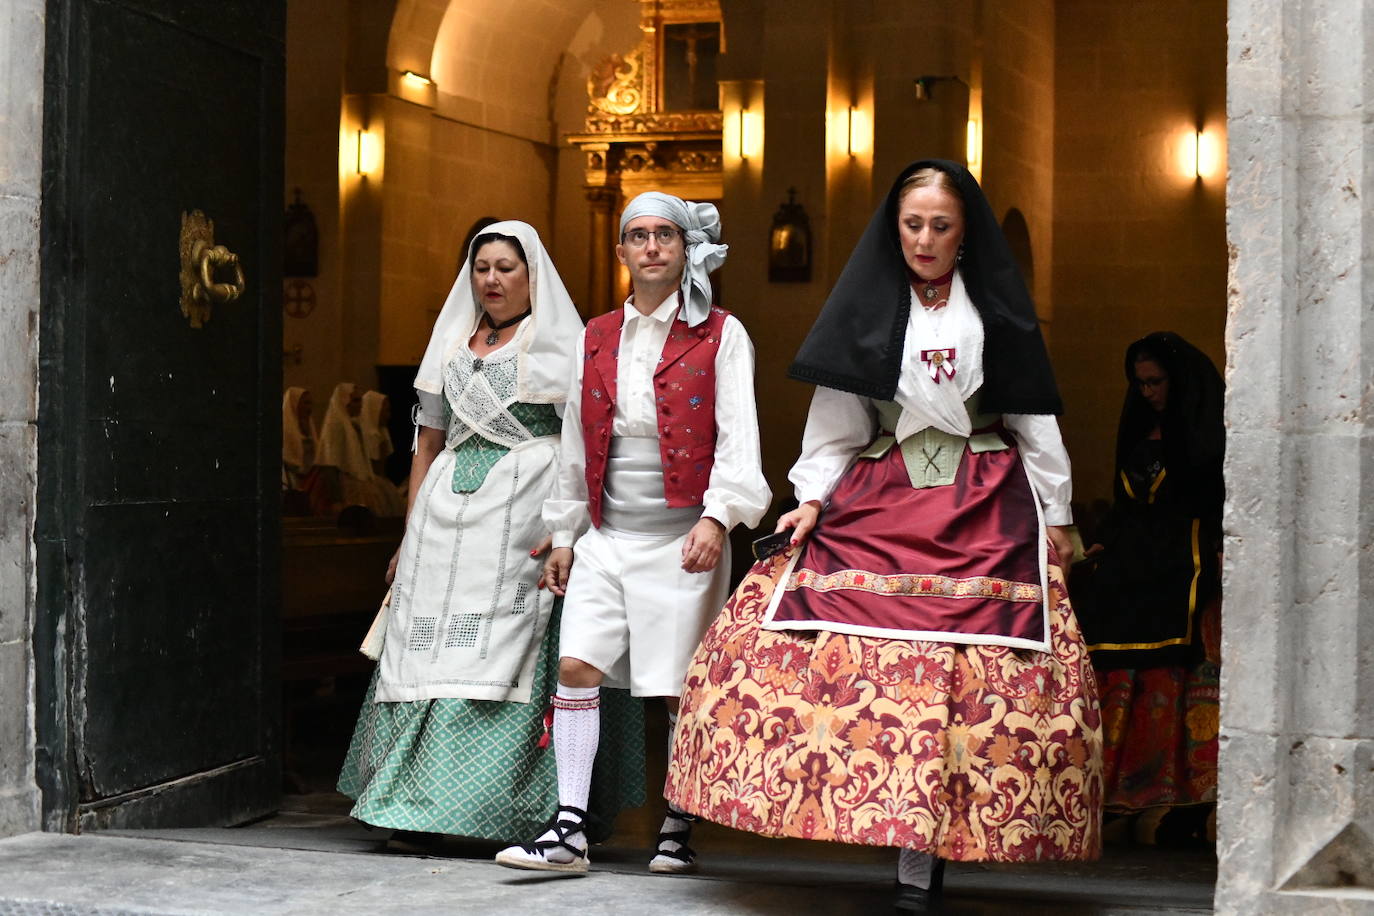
[932, 456]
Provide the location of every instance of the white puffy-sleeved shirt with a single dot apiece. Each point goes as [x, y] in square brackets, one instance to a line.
[736, 493]
[840, 425]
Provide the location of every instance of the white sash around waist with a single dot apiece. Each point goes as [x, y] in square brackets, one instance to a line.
[635, 504]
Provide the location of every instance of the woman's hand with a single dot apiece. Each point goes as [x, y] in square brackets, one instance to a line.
[391, 567]
[801, 520]
[701, 550]
[557, 568]
[543, 548]
[1063, 545]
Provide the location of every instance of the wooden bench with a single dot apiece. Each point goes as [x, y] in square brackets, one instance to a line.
[332, 584]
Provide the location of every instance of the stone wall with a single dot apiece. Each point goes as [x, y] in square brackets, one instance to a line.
[479, 140]
[440, 176]
[1138, 245]
[484, 141]
[1297, 754]
[1017, 52]
[21, 119]
[781, 40]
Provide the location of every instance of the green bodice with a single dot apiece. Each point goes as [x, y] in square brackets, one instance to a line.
[474, 457]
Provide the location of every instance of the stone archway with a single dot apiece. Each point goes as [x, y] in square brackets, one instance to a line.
[1018, 237]
[477, 133]
[414, 29]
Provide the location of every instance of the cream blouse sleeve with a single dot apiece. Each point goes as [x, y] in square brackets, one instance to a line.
[737, 493]
[838, 427]
[1046, 462]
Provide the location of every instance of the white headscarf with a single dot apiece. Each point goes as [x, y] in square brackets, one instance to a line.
[341, 443]
[546, 347]
[376, 437]
[700, 223]
[293, 444]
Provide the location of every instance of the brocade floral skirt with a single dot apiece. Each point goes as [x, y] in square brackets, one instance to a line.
[972, 753]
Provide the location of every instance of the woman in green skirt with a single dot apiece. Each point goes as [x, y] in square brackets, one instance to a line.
[453, 736]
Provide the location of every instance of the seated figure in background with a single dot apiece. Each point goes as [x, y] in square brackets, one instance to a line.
[375, 421]
[349, 478]
[299, 476]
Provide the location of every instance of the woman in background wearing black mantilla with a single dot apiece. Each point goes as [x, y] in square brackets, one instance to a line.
[1149, 596]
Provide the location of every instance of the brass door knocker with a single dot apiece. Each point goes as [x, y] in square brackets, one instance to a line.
[201, 258]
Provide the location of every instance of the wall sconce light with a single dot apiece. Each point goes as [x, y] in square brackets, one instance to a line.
[974, 145]
[746, 140]
[859, 132]
[367, 153]
[1198, 155]
[410, 76]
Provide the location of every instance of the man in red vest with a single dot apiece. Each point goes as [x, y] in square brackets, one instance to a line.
[660, 459]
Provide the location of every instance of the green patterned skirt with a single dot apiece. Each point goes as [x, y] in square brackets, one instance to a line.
[474, 768]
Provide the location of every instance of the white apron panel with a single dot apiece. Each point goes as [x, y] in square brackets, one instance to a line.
[466, 615]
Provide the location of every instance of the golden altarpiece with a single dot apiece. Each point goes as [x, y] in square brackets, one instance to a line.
[653, 123]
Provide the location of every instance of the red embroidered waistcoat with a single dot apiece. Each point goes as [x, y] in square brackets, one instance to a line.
[684, 393]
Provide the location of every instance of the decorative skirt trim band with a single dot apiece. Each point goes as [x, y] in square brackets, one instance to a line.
[916, 585]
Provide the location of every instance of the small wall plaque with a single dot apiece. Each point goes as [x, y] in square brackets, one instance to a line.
[301, 249]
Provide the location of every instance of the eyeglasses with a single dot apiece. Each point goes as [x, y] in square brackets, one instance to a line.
[1150, 384]
[638, 238]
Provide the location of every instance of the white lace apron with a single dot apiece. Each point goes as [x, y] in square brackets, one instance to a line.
[466, 616]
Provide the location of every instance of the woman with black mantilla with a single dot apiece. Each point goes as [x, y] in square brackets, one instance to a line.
[909, 672]
[1149, 598]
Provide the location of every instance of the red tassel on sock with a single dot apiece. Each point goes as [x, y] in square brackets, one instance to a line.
[548, 728]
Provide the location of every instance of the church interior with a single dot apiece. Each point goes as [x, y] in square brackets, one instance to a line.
[1096, 129]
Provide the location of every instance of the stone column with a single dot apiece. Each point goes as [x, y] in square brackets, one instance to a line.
[1296, 818]
[601, 241]
[21, 142]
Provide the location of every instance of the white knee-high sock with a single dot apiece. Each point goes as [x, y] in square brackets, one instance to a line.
[915, 868]
[576, 733]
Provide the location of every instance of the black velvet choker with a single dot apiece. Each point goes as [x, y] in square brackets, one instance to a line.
[495, 336]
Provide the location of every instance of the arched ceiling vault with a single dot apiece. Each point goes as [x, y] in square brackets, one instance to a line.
[504, 55]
